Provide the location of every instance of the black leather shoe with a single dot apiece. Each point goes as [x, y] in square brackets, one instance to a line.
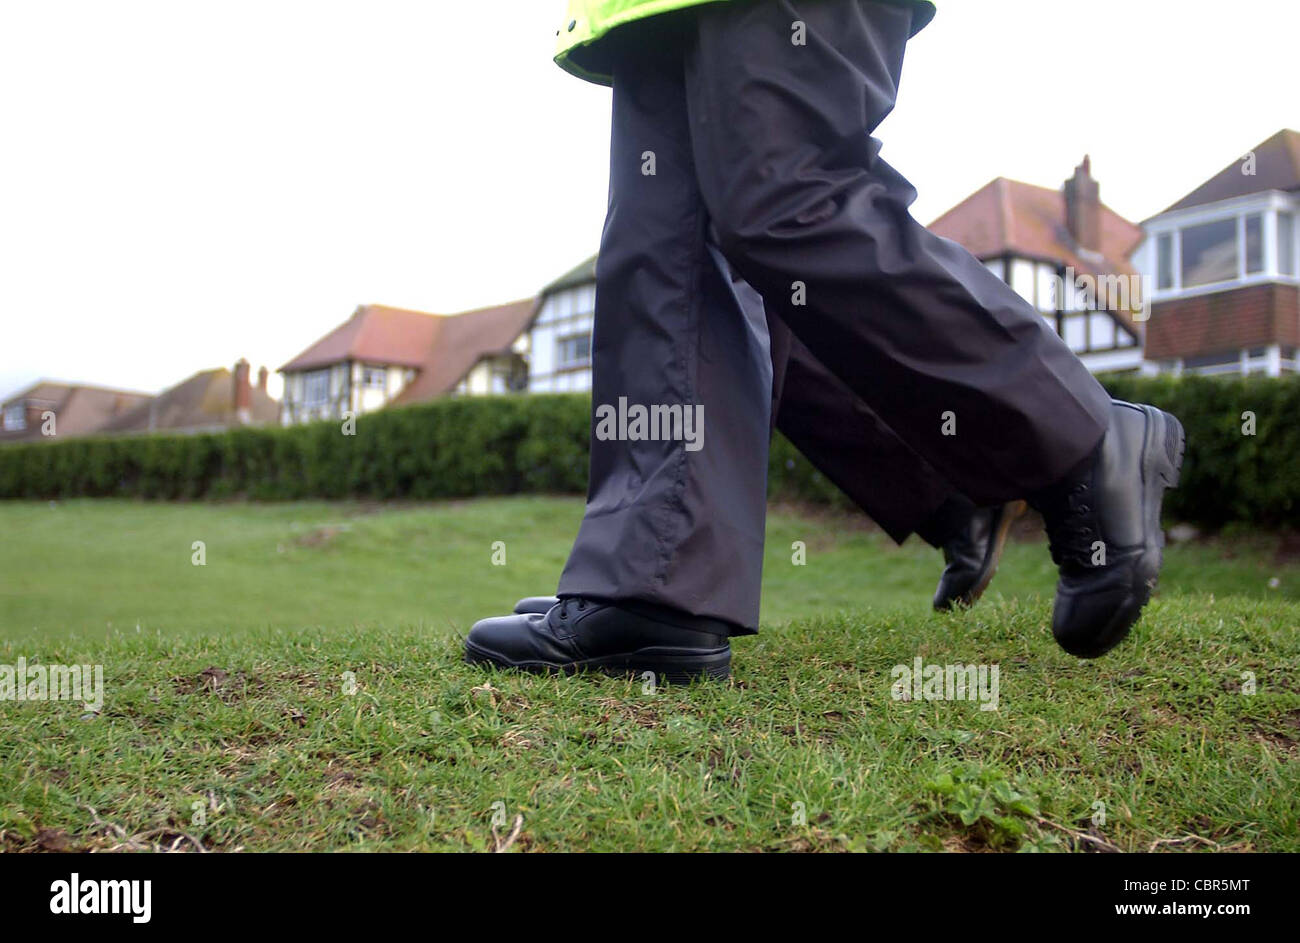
[1103, 525]
[629, 637]
[972, 555]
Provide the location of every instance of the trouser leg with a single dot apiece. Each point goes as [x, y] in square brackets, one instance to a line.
[960, 367]
[674, 522]
[844, 440]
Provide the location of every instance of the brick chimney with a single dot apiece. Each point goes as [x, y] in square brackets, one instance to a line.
[1083, 207]
[243, 393]
[262, 374]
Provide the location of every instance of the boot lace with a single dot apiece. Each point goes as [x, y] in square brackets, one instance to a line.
[571, 603]
[1072, 527]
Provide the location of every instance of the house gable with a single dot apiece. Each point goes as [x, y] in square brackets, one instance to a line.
[1067, 254]
[77, 409]
[1224, 266]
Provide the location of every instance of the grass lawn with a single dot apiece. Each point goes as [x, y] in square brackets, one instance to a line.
[304, 690]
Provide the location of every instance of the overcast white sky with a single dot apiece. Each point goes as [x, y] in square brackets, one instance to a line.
[185, 182]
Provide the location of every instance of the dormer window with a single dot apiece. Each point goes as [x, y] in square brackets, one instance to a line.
[1223, 265]
[1256, 243]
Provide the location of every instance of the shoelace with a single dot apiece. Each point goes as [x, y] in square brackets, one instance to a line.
[1072, 528]
[578, 601]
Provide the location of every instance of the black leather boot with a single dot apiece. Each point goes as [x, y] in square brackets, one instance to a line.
[629, 637]
[972, 555]
[1103, 525]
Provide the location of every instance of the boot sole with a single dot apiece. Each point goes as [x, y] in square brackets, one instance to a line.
[674, 666]
[1163, 446]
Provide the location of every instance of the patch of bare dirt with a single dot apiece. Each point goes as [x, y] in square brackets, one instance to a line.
[321, 536]
[218, 682]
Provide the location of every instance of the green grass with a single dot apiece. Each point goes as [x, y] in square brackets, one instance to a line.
[282, 753]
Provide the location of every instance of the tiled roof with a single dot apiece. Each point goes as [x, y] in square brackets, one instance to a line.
[205, 400]
[374, 334]
[1276, 167]
[461, 341]
[1007, 217]
[79, 409]
[442, 348]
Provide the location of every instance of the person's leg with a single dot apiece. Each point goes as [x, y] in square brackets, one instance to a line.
[942, 350]
[783, 96]
[668, 560]
[671, 522]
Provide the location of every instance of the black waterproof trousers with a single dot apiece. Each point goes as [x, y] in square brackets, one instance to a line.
[743, 157]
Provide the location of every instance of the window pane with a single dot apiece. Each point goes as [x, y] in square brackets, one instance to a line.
[1254, 243]
[1286, 243]
[1022, 278]
[1047, 290]
[573, 350]
[1075, 332]
[1213, 360]
[316, 386]
[15, 418]
[1101, 331]
[1165, 261]
[1210, 253]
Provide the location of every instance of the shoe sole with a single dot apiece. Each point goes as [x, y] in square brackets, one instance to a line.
[1009, 513]
[1163, 446]
[673, 666]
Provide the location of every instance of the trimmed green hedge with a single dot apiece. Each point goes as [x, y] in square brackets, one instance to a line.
[1227, 475]
[459, 447]
[450, 448]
